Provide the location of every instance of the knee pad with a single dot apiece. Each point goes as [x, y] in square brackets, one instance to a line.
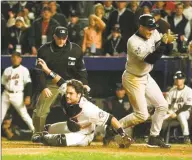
[54, 140]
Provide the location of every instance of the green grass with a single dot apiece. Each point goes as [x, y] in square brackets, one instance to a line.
[87, 156]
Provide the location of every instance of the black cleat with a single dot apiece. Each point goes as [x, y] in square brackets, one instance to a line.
[187, 140]
[36, 138]
[157, 142]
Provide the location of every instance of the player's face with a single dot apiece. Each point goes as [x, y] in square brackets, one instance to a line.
[72, 97]
[60, 41]
[16, 60]
[120, 93]
[146, 32]
[179, 82]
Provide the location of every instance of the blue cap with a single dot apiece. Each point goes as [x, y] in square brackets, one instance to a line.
[61, 32]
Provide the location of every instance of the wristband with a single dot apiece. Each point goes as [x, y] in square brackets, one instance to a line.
[121, 132]
[52, 74]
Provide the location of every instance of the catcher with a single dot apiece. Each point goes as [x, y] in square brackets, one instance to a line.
[83, 116]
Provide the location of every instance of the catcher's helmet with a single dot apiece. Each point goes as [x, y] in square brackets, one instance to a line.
[148, 21]
[179, 75]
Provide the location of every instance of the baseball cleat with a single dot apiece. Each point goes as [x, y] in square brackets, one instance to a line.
[155, 142]
[187, 140]
[36, 138]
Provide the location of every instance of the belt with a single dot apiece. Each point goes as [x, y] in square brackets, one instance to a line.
[137, 75]
[12, 91]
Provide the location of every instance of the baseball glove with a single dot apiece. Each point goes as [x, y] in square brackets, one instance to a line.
[73, 126]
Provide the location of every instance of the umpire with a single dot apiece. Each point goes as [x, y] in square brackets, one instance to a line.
[64, 58]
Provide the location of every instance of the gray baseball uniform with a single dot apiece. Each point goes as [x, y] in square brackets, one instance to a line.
[140, 86]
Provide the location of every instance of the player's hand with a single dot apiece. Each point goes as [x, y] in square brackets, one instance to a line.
[27, 100]
[47, 93]
[171, 37]
[164, 38]
[87, 88]
[43, 65]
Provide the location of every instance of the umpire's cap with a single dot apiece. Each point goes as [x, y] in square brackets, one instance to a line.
[61, 32]
[148, 21]
[179, 75]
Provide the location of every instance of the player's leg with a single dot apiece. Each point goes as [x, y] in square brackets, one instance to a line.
[17, 102]
[155, 97]
[135, 89]
[43, 108]
[68, 139]
[60, 127]
[4, 104]
[183, 119]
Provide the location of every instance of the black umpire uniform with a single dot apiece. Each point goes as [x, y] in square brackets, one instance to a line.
[67, 61]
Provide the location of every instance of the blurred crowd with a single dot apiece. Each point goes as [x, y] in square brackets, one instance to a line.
[100, 28]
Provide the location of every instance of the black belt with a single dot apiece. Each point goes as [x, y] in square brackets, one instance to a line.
[12, 91]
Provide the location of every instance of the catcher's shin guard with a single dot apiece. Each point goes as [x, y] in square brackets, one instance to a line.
[110, 133]
[54, 140]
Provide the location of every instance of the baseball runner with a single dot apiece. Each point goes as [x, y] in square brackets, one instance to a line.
[17, 86]
[83, 116]
[144, 48]
[179, 99]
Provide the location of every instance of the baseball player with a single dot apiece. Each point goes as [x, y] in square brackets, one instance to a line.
[179, 99]
[83, 116]
[144, 48]
[17, 86]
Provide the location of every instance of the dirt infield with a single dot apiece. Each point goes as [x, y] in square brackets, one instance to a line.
[28, 148]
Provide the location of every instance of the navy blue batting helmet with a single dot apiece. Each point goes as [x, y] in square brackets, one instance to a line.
[179, 75]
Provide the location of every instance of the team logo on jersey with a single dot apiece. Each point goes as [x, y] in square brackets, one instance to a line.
[101, 114]
[71, 61]
[138, 51]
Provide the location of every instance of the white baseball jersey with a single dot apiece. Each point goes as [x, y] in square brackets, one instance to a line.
[14, 79]
[91, 114]
[137, 50]
[178, 98]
